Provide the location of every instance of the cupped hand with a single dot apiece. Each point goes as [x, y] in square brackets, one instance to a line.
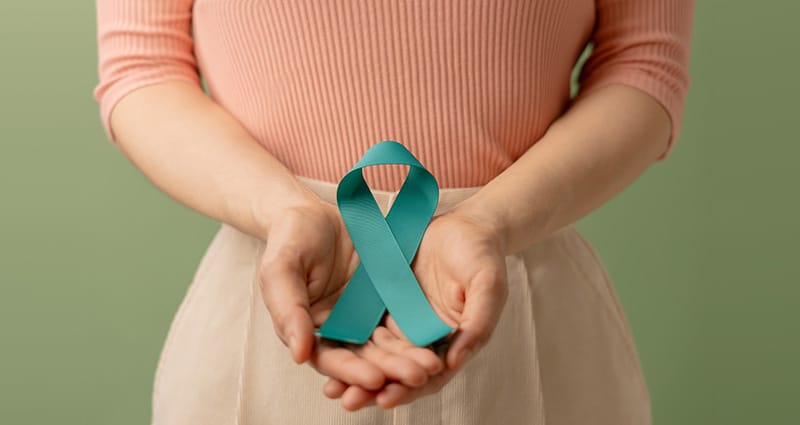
[306, 264]
[461, 267]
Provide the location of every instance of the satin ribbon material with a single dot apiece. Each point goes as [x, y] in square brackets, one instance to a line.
[386, 246]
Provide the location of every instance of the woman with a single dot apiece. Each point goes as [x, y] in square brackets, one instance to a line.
[479, 91]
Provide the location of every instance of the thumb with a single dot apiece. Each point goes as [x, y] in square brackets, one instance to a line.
[484, 301]
[285, 295]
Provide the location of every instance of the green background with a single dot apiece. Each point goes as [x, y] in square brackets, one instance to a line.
[94, 260]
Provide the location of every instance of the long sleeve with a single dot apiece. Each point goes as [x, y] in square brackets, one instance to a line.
[141, 42]
[643, 44]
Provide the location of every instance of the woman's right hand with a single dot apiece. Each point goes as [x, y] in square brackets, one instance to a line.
[199, 154]
[307, 261]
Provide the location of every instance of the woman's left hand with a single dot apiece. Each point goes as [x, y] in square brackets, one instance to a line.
[461, 267]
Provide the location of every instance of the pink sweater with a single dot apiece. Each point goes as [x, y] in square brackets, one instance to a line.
[467, 85]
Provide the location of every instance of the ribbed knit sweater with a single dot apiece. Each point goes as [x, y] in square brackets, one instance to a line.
[467, 85]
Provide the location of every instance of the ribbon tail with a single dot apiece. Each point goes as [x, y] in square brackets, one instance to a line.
[357, 312]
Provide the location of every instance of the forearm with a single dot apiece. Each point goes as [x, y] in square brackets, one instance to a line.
[598, 147]
[198, 154]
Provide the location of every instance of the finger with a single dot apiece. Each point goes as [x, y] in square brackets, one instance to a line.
[424, 357]
[321, 309]
[392, 326]
[485, 298]
[395, 367]
[355, 398]
[343, 364]
[334, 388]
[285, 296]
[283, 289]
[395, 394]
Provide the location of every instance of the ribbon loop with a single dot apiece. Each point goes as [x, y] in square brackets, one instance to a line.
[386, 246]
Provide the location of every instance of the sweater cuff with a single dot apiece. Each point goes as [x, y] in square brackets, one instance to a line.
[109, 94]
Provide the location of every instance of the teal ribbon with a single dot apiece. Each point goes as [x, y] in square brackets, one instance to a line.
[386, 246]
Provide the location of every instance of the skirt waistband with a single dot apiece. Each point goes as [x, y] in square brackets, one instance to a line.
[448, 197]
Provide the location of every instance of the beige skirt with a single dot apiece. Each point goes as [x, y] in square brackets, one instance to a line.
[561, 354]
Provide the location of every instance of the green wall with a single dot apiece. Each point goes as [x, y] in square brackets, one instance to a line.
[94, 260]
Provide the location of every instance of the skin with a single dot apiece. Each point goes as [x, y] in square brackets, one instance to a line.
[198, 154]
[604, 141]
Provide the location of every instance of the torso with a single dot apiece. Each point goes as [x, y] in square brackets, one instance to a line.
[467, 86]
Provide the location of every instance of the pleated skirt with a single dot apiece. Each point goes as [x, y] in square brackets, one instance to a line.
[562, 352]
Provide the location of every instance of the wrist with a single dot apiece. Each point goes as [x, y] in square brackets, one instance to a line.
[513, 220]
[493, 220]
[267, 207]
